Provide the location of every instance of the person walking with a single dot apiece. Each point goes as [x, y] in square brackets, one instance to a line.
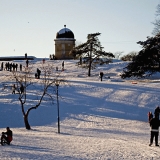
[2, 66]
[20, 66]
[101, 75]
[27, 62]
[154, 124]
[63, 66]
[21, 89]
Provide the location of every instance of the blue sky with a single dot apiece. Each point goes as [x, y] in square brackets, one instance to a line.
[30, 26]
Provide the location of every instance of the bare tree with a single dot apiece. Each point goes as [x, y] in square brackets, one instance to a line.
[118, 54]
[156, 23]
[129, 56]
[45, 86]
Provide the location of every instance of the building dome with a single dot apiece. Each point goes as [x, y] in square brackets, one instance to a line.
[65, 33]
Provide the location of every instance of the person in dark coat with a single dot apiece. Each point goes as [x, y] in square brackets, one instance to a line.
[63, 66]
[154, 124]
[38, 73]
[7, 136]
[156, 112]
[27, 62]
[101, 75]
[20, 67]
[2, 66]
[13, 89]
[16, 66]
[21, 89]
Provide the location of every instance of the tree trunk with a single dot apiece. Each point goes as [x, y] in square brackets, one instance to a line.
[90, 59]
[89, 71]
[26, 122]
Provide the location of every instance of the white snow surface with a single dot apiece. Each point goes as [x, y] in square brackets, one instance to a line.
[99, 120]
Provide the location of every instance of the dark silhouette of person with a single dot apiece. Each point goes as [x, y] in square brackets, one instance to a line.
[101, 75]
[154, 124]
[27, 62]
[156, 112]
[13, 89]
[2, 66]
[21, 89]
[80, 60]
[38, 73]
[7, 136]
[16, 66]
[20, 66]
[63, 65]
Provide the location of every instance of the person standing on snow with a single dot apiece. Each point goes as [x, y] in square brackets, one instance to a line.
[13, 89]
[21, 89]
[101, 75]
[20, 66]
[63, 66]
[156, 112]
[150, 116]
[27, 62]
[154, 124]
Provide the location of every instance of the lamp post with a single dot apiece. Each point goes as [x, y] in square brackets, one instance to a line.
[57, 85]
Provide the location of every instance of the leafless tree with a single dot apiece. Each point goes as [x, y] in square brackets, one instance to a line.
[129, 56]
[117, 55]
[45, 88]
[156, 23]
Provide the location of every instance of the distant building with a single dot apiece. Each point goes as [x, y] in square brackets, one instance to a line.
[12, 58]
[64, 43]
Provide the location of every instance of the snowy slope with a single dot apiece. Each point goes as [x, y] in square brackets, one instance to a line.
[98, 120]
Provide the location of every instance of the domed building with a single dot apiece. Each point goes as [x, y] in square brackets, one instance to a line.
[64, 43]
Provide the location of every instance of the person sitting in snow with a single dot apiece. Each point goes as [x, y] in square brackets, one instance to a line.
[7, 136]
[38, 73]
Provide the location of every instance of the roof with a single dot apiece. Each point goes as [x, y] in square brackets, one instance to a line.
[65, 33]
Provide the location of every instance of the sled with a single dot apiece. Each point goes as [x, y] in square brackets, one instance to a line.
[4, 142]
[134, 82]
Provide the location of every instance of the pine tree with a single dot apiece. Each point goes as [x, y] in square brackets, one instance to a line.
[93, 50]
[147, 61]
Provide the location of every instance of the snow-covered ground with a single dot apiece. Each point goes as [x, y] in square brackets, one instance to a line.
[99, 120]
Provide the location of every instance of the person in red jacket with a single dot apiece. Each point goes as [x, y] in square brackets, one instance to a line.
[150, 116]
[7, 136]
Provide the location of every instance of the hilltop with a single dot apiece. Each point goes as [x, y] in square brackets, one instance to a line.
[103, 120]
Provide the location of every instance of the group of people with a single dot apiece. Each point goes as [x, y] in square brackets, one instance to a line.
[21, 89]
[154, 124]
[10, 66]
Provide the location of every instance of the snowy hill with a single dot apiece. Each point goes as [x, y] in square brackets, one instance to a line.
[103, 120]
